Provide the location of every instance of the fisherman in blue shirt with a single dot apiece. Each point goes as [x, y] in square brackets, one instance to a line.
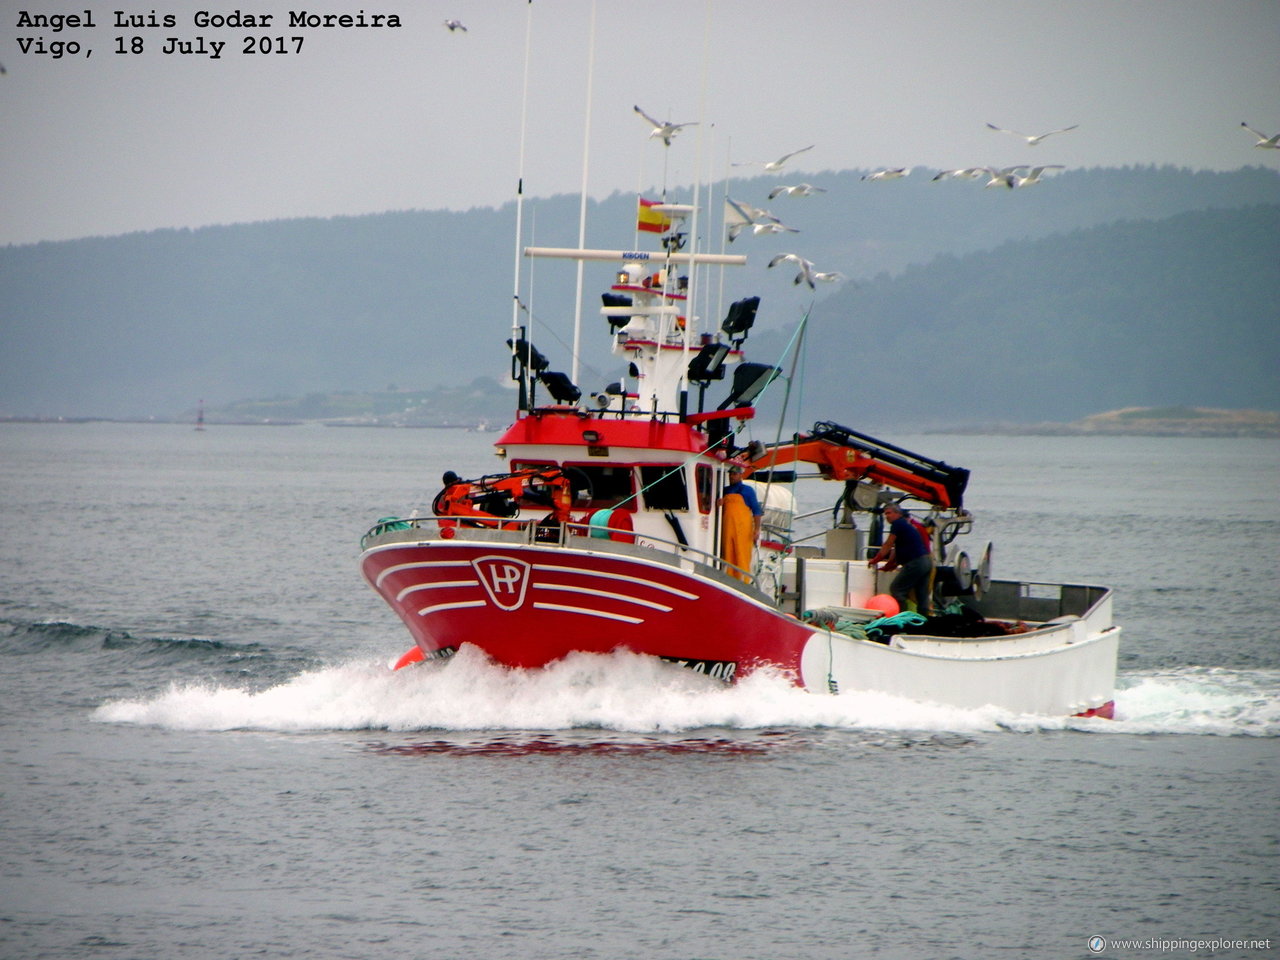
[740, 517]
[907, 548]
[748, 494]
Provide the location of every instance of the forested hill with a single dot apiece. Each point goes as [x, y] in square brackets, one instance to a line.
[1180, 311]
[1096, 289]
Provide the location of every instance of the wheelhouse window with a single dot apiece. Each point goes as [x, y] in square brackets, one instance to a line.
[705, 490]
[592, 485]
[596, 486]
[664, 487]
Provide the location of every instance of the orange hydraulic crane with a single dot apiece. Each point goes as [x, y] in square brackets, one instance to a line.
[496, 497]
[843, 454]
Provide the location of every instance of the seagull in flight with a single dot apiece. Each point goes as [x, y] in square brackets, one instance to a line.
[1032, 178]
[772, 166]
[964, 173]
[748, 213]
[1265, 142]
[777, 227]
[890, 173]
[1031, 138]
[1005, 176]
[799, 190]
[996, 177]
[664, 129]
[760, 221]
[807, 274]
[455, 25]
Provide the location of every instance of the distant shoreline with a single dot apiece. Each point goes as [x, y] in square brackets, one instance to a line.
[1127, 422]
[1143, 422]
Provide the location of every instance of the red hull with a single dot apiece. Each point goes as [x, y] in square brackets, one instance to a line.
[526, 607]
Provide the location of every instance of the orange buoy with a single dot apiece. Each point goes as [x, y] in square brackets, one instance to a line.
[412, 655]
[884, 603]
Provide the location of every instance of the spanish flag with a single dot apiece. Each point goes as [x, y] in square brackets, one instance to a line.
[647, 218]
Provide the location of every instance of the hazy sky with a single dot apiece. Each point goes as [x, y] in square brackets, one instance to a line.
[367, 120]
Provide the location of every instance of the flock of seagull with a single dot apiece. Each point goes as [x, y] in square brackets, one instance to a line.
[760, 222]
[742, 217]
[745, 217]
[1010, 177]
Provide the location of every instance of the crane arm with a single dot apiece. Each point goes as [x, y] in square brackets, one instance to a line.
[843, 454]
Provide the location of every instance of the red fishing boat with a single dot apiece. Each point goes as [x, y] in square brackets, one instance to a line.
[610, 529]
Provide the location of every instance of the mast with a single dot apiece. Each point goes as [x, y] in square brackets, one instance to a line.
[582, 203]
[525, 379]
[691, 304]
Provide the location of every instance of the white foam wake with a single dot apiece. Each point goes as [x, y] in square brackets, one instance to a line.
[629, 693]
[1199, 700]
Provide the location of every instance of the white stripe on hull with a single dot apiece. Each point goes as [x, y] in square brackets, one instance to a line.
[459, 605]
[603, 593]
[435, 586]
[590, 613]
[624, 578]
[417, 565]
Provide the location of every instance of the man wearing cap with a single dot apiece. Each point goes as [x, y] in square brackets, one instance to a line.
[905, 546]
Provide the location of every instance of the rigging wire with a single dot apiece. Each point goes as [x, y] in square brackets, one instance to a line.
[786, 400]
[802, 353]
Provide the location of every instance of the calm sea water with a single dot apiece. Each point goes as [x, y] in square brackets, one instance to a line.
[205, 755]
